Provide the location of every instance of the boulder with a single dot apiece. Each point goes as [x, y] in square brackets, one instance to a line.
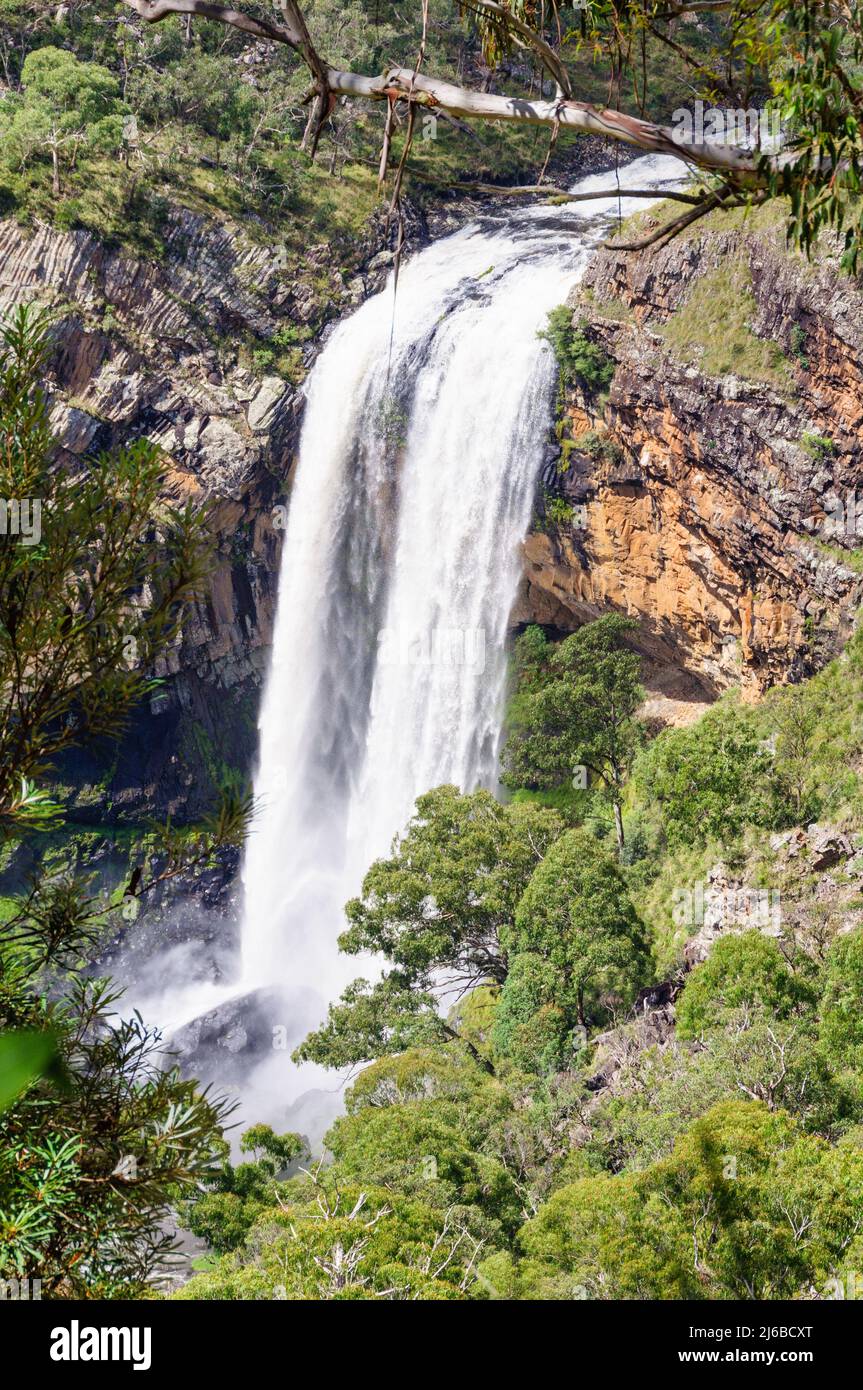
[827, 846]
[228, 1041]
[262, 409]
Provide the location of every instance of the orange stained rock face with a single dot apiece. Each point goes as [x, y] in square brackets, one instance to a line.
[705, 512]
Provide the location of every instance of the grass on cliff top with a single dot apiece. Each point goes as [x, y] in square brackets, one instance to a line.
[711, 329]
[769, 221]
[129, 206]
[277, 192]
[769, 217]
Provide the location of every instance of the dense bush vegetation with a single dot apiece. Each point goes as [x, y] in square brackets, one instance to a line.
[725, 1160]
[582, 362]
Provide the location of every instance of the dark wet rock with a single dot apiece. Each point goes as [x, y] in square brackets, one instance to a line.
[230, 1040]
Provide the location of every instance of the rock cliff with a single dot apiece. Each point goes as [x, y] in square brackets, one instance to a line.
[181, 351]
[714, 500]
[713, 490]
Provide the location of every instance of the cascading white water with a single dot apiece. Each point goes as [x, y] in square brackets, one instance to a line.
[422, 440]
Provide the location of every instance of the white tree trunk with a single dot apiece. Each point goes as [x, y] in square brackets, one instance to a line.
[403, 84]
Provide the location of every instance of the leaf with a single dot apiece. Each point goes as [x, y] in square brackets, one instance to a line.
[35, 808]
[24, 1057]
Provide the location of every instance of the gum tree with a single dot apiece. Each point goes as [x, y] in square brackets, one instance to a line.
[803, 58]
[64, 104]
[436, 910]
[575, 707]
[575, 936]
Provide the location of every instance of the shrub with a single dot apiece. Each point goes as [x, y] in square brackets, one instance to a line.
[798, 346]
[741, 970]
[581, 361]
[263, 359]
[558, 512]
[841, 1017]
[709, 780]
[817, 446]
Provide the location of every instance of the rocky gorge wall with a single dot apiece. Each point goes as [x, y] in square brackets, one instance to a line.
[701, 486]
[697, 505]
[177, 351]
[713, 488]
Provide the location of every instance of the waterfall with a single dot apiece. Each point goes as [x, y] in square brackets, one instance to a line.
[425, 423]
[424, 432]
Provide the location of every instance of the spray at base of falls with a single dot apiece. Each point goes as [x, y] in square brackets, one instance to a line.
[422, 441]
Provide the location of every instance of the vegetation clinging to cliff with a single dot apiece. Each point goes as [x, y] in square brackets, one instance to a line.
[581, 361]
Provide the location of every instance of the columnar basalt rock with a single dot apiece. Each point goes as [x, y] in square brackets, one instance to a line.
[151, 349]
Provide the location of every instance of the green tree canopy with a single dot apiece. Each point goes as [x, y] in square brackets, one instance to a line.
[710, 780]
[842, 1001]
[742, 969]
[435, 911]
[746, 1206]
[575, 707]
[236, 1195]
[453, 881]
[334, 1239]
[418, 1149]
[64, 103]
[575, 936]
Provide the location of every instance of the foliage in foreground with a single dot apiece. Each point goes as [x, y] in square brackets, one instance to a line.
[98, 1136]
[484, 1175]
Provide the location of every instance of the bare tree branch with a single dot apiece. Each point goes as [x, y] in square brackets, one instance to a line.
[401, 84]
[324, 101]
[724, 197]
[672, 11]
[152, 11]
